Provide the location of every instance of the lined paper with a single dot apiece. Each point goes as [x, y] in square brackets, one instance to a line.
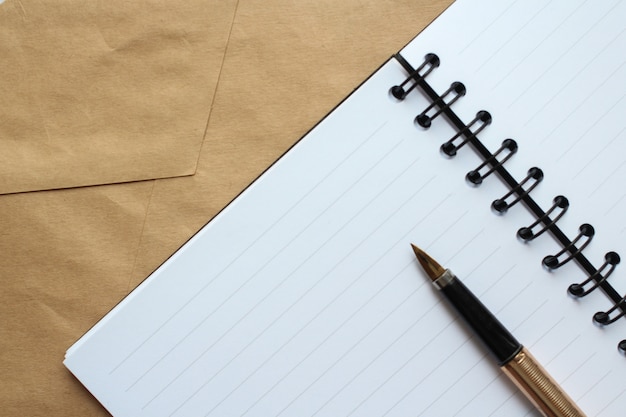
[303, 296]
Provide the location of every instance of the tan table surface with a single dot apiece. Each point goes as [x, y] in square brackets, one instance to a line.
[96, 93]
[68, 256]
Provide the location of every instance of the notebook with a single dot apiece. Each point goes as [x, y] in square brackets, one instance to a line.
[303, 297]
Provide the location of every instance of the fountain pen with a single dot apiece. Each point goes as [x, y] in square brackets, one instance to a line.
[513, 358]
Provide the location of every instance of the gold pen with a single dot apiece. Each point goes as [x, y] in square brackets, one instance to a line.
[513, 358]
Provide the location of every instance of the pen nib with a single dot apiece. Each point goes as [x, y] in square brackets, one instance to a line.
[431, 267]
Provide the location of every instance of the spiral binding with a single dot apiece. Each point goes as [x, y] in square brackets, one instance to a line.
[578, 290]
[452, 94]
[476, 178]
[546, 221]
[449, 148]
[501, 205]
[527, 234]
[431, 61]
[571, 250]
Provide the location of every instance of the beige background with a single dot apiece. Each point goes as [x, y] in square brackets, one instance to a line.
[68, 256]
[96, 92]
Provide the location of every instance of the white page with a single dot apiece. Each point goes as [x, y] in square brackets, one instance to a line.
[303, 296]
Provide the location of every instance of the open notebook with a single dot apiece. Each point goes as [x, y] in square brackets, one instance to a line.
[303, 296]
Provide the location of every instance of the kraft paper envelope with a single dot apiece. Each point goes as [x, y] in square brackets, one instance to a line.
[68, 256]
[95, 92]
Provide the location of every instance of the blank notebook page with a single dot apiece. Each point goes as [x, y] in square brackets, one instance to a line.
[303, 296]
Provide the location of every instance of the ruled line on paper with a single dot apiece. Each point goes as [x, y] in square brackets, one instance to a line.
[242, 253]
[254, 274]
[300, 330]
[580, 365]
[605, 179]
[417, 191]
[432, 371]
[488, 27]
[389, 314]
[617, 203]
[434, 337]
[469, 242]
[610, 403]
[306, 227]
[497, 377]
[358, 342]
[515, 394]
[398, 242]
[567, 83]
[593, 385]
[532, 313]
[532, 18]
[501, 277]
[344, 356]
[602, 150]
[598, 120]
[401, 240]
[563, 349]
[547, 68]
[447, 229]
[444, 391]
[302, 263]
[581, 104]
[376, 358]
[564, 346]
[352, 283]
[541, 42]
[423, 379]
[397, 370]
[468, 274]
[548, 331]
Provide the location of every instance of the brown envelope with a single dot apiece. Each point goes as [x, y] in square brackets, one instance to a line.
[105, 92]
[68, 256]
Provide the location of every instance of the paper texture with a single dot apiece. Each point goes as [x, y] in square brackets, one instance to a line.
[68, 256]
[105, 92]
[303, 296]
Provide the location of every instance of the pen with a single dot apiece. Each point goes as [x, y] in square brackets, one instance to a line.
[513, 358]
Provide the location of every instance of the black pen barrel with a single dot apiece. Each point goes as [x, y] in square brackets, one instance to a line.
[493, 334]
